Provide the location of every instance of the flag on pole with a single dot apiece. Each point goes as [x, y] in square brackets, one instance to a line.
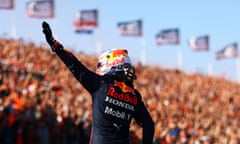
[6, 4]
[85, 21]
[229, 51]
[168, 36]
[200, 43]
[40, 9]
[130, 28]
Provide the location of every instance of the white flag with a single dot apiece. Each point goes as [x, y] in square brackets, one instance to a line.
[199, 43]
[230, 51]
[6, 4]
[40, 9]
[168, 36]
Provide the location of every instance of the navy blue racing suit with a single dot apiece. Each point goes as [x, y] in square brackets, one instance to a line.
[114, 103]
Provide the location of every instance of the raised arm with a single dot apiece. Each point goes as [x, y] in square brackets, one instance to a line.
[89, 79]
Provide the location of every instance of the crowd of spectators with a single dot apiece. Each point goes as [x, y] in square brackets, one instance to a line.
[42, 103]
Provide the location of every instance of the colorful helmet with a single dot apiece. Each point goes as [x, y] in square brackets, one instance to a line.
[114, 60]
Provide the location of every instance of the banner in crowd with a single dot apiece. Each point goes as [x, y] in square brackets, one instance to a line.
[85, 21]
[200, 43]
[168, 36]
[40, 9]
[6, 4]
[130, 28]
[229, 51]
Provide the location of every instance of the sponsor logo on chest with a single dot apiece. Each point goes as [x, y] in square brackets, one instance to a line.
[123, 97]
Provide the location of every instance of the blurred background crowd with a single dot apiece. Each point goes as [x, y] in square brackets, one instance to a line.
[42, 103]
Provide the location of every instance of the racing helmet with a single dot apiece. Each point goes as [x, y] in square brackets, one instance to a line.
[116, 62]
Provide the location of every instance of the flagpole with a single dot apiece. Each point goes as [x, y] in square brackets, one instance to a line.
[99, 47]
[238, 69]
[143, 52]
[13, 27]
[210, 69]
[98, 42]
[180, 60]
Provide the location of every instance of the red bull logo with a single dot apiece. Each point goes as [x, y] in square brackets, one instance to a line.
[125, 88]
[122, 96]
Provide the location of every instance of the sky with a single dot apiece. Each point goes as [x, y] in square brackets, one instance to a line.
[216, 18]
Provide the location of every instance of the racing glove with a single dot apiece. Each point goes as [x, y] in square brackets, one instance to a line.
[49, 37]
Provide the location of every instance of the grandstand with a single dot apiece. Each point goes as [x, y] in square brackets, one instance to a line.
[41, 102]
